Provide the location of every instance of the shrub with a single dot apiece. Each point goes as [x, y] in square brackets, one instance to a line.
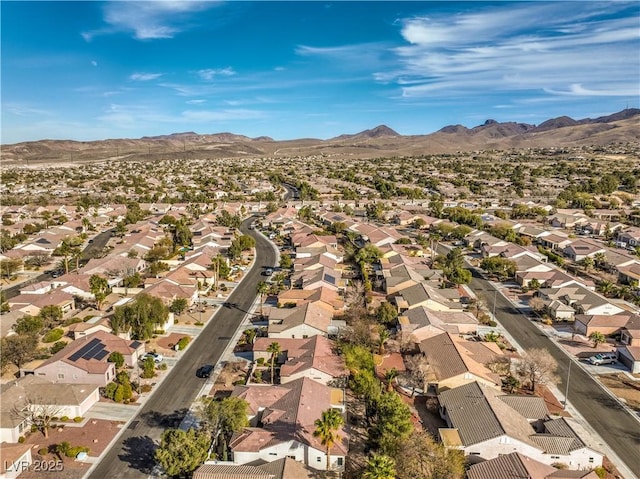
[199, 323]
[601, 472]
[53, 335]
[260, 361]
[118, 395]
[223, 287]
[77, 419]
[159, 331]
[146, 388]
[64, 418]
[163, 367]
[493, 324]
[21, 439]
[110, 390]
[34, 428]
[74, 451]
[57, 346]
[43, 451]
[183, 342]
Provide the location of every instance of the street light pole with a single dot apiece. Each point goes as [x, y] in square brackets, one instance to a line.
[566, 390]
[495, 299]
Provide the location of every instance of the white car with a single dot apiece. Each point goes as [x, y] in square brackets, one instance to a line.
[603, 358]
[157, 358]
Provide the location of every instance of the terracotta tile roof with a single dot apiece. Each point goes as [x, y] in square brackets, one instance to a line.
[510, 466]
[288, 412]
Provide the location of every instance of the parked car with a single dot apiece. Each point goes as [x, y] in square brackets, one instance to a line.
[204, 371]
[267, 272]
[603, 358]
[157, 358]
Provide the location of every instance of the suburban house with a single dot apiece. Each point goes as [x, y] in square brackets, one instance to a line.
[16, 458]
[629, 352]
[307, 320]
[421, 323]
[629, 237]
[485, 422]
[581, 249]
[33, 303]
[427, 295]
[84, 361]
[313, 358]
[285, 468]
[72, 400]
[516, 465]
[455, 361]
[580, 299]
[282, 420]
[606, 324]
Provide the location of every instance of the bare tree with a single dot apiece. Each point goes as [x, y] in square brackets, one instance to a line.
[355, 294]
[538, 367]
[37, 412]
[419, 372]
[537, 304]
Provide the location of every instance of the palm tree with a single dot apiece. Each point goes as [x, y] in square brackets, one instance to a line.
[606, 288]
[76, 254]
[262, 289]
[600, 260]
[380, 467]
[384, 337]
[597, 337]
[326, 430]
[389, 376]
[275, 350]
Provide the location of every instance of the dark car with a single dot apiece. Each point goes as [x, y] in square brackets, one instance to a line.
[204, 371]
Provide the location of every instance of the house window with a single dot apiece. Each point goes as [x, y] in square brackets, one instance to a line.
[340, 461]
[60, 376]
[318, 459]
[555, 457]
[273, 453]
[591, 460]
[291, 457]
[474, 453]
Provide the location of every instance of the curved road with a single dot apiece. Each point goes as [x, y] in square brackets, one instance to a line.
[615, 425]
[131, 456]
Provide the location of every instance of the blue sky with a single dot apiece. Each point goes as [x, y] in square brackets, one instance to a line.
[95, 70]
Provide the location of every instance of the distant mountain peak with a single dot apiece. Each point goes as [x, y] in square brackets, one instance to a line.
[379, 131]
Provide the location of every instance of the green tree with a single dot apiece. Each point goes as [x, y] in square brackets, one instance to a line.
[222, 418]
[262, 289]
[29, 325]
[285, 261]
[597, 338]
[179, 306]
[392, 424]
[386, 313]
[99, 287]
[116, 357]
[327, 427]
[368, 254]
[51, 315]
[275, 349]
[141, 316]
[181, 452]
[148, 368]
[220, 265]
[17, 349]
[380, 466]
[9, 267]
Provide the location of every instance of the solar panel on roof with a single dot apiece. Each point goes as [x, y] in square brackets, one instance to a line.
[101, 355]
[80, 352]
[90, 353]
[135, 344]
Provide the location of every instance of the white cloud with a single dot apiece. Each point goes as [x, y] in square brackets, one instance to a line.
[148, 20]
[544, 47]
[195, 102]
[145, 76]
[210, 73]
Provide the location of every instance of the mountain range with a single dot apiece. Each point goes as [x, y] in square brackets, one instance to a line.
[623, 126]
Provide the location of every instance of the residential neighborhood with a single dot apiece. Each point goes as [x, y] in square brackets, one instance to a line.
[367, 336]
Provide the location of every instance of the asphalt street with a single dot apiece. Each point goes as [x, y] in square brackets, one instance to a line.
[131, 456]
[92, 250]
[605, 415]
